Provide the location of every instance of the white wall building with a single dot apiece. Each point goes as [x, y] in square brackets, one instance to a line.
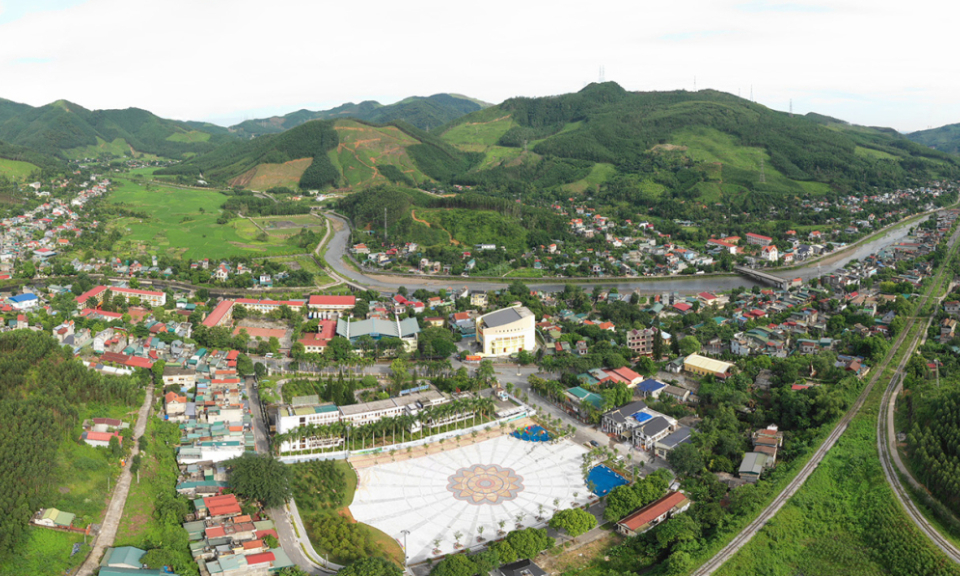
[506, 331]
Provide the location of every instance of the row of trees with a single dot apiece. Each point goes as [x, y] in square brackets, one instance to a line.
[393, 430]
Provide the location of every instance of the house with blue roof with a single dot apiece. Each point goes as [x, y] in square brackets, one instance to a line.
[650, 388]
[21, 302]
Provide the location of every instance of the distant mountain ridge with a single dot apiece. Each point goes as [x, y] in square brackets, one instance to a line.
[945, 138]
[67, 130]
[422, 112]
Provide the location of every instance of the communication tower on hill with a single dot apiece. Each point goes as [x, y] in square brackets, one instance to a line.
[603, 75]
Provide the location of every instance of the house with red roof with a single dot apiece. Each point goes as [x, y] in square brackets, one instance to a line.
[100, 439]
[645, 518]
[225, 505]
[758, 240]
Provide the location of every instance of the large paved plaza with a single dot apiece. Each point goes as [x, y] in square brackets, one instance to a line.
[461, 489]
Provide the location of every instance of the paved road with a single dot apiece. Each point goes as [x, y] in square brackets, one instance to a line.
[686, 285]
[890, 456]
[748, 533]
[288, 538]
[111, 521]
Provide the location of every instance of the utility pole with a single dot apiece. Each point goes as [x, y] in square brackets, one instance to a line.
[405, 555]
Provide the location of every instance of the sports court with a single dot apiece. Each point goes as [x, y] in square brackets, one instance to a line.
[461, 489]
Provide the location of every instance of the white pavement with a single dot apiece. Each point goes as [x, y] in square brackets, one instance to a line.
[419, 495]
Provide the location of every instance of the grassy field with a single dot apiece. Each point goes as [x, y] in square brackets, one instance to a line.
[599, 174]
[183, 223]
[488, 126]
[119, 147]
[306, 263]
[46, 552]
[525, 273]
[16, 170]
[191, 136]
[871, 153]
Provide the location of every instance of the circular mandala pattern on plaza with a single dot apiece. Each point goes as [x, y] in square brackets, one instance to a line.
[485, 484]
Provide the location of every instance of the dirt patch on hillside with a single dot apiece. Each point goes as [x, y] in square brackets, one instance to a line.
[668, 148]
[413, 214]
[266, 176]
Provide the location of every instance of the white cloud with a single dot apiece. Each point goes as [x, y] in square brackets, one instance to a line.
[217, 58]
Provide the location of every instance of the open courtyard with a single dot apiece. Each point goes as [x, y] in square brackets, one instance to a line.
[463, 489]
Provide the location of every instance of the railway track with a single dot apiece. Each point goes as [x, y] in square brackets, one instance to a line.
[711, 565]
[886, 443]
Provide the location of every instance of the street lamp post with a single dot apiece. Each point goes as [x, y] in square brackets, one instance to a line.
[405, 557]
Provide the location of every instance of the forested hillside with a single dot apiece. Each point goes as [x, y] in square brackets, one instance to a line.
[631, 148]
[309, 141]
[41, 391]
[424, 113]
[701, 144]
[945, 138]
[343, 152]
[44, 163]
[67, 130]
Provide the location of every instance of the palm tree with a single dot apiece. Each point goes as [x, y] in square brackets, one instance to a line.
[556, 503]
[457, 536]
[501, 524]
[479, 533]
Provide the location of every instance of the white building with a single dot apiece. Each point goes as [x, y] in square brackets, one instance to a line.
[506, 331]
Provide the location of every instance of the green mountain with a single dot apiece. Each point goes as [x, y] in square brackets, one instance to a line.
[945, 138]
[630, 148]
[424, 113]
[67, 130]
[706, 145]
[324, 153]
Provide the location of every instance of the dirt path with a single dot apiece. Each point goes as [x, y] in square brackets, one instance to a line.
[111, 521]
[413, 214]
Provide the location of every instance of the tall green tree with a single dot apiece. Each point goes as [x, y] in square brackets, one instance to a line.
[260, 478]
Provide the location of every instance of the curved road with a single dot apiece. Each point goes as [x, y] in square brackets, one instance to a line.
[748, 533]
[893, 466]
[682, 284]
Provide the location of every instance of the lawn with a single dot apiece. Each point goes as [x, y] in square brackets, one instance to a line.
[16, 170]
[183, 223]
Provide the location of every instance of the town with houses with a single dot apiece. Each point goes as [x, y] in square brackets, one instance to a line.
[638, 249]
[633, 366]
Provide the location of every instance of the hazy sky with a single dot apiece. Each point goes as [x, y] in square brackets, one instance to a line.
[874, 62]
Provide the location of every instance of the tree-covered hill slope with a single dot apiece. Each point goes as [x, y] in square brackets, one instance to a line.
[68, 130]
[423, 112]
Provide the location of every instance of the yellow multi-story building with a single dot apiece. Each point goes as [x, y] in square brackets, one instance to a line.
[507, 331]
